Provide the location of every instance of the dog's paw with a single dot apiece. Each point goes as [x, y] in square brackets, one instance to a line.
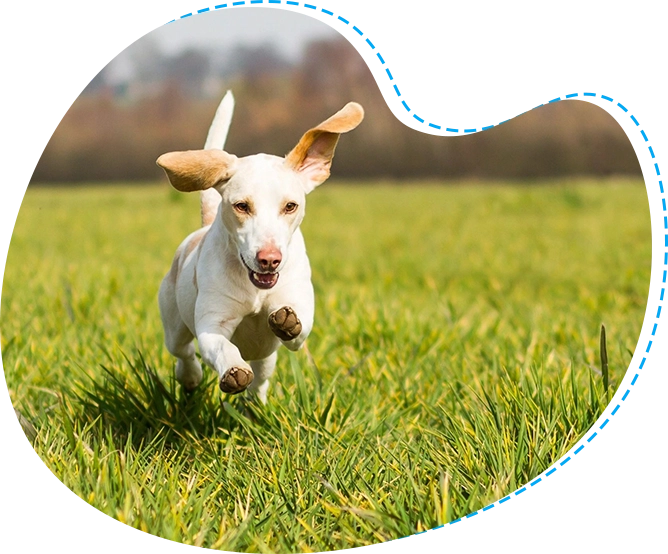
[285, 324]
[236, 380]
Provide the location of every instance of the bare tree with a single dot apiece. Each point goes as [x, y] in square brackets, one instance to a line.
[252, 63]
[188, 70]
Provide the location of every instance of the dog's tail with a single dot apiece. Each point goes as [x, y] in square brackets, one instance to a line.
[210, 199]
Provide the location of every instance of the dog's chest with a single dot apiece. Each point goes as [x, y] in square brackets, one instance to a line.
[253, 336]
[258, 304]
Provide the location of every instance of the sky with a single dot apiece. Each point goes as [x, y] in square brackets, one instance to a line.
[223, 30]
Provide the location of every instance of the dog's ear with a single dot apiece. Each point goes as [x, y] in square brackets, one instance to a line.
[197, 169]
[313, 155]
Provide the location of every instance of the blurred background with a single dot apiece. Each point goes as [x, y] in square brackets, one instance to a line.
[288, 72]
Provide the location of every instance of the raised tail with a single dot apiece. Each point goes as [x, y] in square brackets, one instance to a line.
[210, 199]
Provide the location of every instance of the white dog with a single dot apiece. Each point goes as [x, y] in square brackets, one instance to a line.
[242, 283]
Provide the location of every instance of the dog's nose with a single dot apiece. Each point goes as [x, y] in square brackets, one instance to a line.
[269, 258]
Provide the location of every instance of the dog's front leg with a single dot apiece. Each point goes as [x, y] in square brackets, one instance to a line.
[291, 315]
[213, 336]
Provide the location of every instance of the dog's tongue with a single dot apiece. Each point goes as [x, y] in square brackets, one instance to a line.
[263, 280]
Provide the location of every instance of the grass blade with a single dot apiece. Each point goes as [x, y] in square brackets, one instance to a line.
[604, 361]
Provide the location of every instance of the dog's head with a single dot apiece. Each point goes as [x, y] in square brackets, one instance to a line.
[263, 196]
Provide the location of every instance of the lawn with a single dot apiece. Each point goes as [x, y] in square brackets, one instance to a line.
[455, 356]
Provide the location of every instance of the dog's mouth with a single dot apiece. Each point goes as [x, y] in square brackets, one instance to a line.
[261, 280]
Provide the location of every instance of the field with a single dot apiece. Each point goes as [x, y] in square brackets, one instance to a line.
[455, 356]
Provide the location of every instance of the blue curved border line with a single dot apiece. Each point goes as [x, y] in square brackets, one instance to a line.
[363, 40]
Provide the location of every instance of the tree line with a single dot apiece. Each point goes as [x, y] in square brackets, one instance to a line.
[115, 131]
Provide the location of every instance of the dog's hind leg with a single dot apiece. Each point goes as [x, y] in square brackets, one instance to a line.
[263, 370]
[178, 338]
[179, 342]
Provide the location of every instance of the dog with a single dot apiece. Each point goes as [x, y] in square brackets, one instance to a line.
[242, 284]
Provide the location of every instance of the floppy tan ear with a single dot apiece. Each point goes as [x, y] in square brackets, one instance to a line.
[197, 169]
[313, 154]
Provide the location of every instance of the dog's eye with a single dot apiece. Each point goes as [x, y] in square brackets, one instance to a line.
[242, 207]
[290, 207]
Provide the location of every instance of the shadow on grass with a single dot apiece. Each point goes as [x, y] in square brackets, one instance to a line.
[136, 403]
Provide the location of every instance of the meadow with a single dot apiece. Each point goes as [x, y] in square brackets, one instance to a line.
[455, 356]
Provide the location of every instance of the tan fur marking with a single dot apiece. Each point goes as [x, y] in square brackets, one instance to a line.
[183, 253]
[208, 208]
[194, 243]
[242, 216]
[197, 169]
[200, 241]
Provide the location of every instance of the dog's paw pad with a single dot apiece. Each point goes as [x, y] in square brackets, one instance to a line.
[236, 380]
[285, 324]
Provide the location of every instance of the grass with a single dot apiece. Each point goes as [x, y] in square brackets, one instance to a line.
[456, 355]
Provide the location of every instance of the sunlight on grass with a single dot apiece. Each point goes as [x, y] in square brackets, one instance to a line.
[455, 355]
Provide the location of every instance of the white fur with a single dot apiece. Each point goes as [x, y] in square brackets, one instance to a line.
[209, 295]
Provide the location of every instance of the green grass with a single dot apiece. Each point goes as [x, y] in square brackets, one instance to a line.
[455, 356]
